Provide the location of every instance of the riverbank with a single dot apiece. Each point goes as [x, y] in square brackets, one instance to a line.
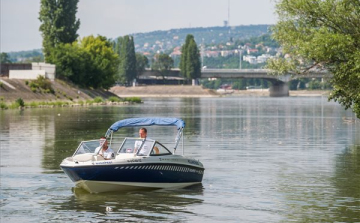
[174, 91]
[199, 91]
[265, 92]
[12, 89]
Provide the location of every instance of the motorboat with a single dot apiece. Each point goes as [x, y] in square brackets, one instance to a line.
[139, 163]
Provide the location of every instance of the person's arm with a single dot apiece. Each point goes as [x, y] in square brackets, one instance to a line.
[97, 150]
[109, 154]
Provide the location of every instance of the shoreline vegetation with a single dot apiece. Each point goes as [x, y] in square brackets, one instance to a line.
[22, 94]
[98, 101]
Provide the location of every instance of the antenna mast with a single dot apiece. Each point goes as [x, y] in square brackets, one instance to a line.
[229, 13]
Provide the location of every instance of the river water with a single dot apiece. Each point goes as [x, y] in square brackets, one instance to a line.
[266, 160]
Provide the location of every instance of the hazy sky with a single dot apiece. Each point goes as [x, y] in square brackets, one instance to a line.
[112, 18]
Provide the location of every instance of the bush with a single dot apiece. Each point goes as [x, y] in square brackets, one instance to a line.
[26, 82]
[113, 99]
[33, 85]
[41, 83]
[133, 99]
[33, 104]
[98, 99]
[1, 84]
[20, 102]
[3, 105]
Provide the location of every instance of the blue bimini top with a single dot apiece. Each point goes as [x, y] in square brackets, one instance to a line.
[133, 122]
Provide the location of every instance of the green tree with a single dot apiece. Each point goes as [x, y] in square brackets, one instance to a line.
[127, 68]
[239, 84]
[141, 63]
[163, 63]
[4, 58]
[72, 63]
[104, 61]
[59, 23]
[90, 62]
[190, 64]
[321, 34]
[117, 45]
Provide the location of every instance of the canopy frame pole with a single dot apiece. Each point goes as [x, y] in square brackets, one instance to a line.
[182, 145]
[177, 140]
[111, 135]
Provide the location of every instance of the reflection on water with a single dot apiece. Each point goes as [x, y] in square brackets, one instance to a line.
[266, 159]
[156, 205]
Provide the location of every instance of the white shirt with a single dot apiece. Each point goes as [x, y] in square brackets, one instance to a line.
[107, 154]
[145, 148]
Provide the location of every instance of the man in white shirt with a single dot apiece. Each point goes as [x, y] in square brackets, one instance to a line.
[105, 151]
[146, 146]
[142, 134]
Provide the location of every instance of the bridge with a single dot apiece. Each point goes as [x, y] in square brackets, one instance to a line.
[279, 86]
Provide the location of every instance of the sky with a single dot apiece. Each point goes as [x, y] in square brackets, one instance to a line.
[19, 27]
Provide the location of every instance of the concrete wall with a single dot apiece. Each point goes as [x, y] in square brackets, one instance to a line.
[49, 69]
[33, 71]
[4, 68]
[279, 90]
[26, 74]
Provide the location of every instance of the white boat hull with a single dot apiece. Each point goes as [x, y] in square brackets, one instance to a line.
[104, 186]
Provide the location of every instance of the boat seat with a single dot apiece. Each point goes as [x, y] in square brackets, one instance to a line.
[83, 157]
[87, 157]
[124, 156]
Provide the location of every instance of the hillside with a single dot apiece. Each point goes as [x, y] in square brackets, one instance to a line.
[166, 41]
[169, 39]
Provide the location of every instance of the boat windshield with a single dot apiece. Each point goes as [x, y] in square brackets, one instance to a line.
[87, 147]
[137, 145]
[142, 147]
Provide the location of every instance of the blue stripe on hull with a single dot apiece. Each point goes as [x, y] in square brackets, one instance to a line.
[149, 173]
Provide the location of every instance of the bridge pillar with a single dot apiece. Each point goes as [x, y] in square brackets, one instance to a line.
[279, 89]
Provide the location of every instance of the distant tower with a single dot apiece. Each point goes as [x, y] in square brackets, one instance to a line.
[228, 23]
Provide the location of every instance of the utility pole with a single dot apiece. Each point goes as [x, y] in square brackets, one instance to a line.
[240, 53]
[202, 53]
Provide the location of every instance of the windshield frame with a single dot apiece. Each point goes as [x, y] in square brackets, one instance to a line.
[139, 151]
[85, 143]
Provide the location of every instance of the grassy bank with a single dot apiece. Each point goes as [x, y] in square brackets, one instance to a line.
[21, 104]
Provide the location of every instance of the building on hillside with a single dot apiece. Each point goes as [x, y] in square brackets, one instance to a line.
[263, 58]
[225, 53]
[28, 71]
[6, 67]
[250, 59]
[212, 53]
[250, 51]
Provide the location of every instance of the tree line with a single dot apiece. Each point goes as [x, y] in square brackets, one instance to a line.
[99, 62]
